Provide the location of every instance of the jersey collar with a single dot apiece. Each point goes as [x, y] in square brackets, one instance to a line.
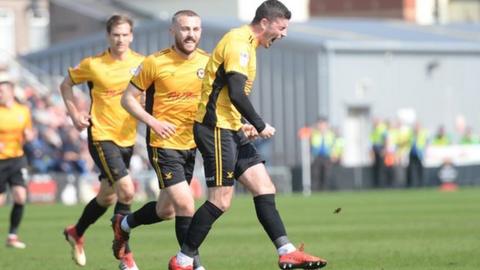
[253, 40]
[181, 57]
[128, 54]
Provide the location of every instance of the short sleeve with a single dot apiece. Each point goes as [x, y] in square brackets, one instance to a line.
[236, 57]
[82, 72]
[145, 74]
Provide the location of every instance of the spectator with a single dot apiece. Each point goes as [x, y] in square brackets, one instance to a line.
[377, 138]
[38, 153]
[72, 162]
[441, 138]
[391, 136]
[336, 156]
[322, 142]
[468, 137]
[418, 141]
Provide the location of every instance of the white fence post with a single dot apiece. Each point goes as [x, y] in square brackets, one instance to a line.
[304, 134]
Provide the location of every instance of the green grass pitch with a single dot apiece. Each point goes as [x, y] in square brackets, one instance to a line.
[375, 230]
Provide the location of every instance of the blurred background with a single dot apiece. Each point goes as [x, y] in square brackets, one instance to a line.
[363, 93]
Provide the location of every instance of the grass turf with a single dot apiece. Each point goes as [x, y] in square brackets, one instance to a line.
[375, 230]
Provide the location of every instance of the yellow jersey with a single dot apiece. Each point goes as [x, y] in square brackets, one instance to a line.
[107, 79]
[173, 85]
[236, 52]
[13, 123]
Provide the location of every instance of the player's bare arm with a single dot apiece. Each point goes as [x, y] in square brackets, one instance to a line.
[130, 102]
[81, 120]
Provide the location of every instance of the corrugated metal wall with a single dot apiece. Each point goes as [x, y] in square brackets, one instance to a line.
[438, 85]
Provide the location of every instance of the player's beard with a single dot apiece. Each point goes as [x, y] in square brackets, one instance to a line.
[180, 45]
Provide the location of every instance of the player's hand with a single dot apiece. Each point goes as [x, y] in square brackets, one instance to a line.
[267, 132]
[250, 131]
[81, 121]
[164, 129]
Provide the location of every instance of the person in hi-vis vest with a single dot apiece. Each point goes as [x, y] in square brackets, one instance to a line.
[322, 142]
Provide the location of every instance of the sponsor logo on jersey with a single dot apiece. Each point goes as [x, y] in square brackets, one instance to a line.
[244, 59]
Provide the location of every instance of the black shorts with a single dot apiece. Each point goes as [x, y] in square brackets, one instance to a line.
[227, 154]
[13, 171]
[112, 160]
[172, 166]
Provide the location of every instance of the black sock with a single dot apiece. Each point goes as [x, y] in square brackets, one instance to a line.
[144, 216]
[15, 217]
[269, 217]
[91, 213]
[181, 228]
[122, 209]
[201, 224]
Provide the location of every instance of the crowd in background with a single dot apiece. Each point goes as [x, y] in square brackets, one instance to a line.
[396, 145]
[57, 146]
[397, 151]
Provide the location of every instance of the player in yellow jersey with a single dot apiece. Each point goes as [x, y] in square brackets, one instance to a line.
[15, 129]
[111, 130]
[172, 80]
[227, 152]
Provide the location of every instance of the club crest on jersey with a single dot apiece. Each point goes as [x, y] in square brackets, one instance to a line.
[135, 71]
[200, 73]
[243, 59]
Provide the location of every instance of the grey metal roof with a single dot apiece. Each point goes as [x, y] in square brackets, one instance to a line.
[370, 34]
[344, 34]
[97, 9]
[386, 34]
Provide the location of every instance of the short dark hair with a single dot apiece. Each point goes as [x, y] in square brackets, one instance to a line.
[271, 9]
[184, 12]
[118, 19]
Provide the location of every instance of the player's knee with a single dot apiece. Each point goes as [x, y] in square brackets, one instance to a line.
[185, 209]
[265, 188]
[223, 205]
[166, 213]
[269, 188]
[19, 199]
[126, 198]
[106, 200]
[19, 195]
[125, 190]
[126, 194]
[221, 198]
